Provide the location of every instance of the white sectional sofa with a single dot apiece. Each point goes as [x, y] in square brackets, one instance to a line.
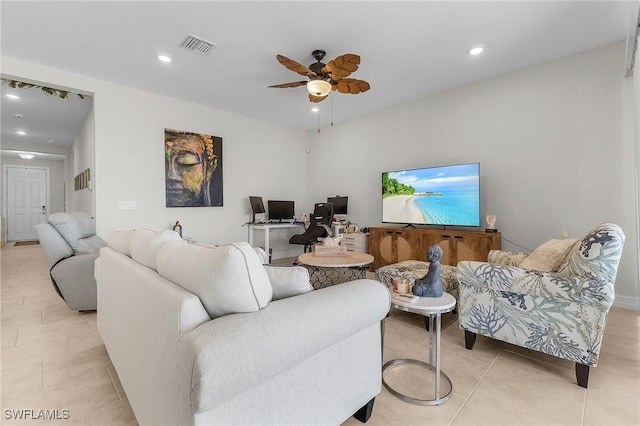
[210, 335]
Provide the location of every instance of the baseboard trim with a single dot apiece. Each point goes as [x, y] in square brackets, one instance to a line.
[627, 302]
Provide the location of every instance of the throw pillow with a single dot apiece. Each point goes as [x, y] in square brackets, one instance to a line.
[549, 256]
[506, 258]
[228, 279]
[145, 243]
[120, 240]
[288, 281]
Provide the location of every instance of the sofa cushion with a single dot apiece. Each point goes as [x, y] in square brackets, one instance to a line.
[75, 228]
[549, 256]
[228, 279]
[120, 241]
[145, 243]
[54, 246]
[597, 255]
[92, 244]
[264, 259]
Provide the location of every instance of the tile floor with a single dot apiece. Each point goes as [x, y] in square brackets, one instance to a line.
[53, 358]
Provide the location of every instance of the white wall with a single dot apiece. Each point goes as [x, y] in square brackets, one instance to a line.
[56, 178]
[555, 143]
[58, 168]
[636, 114]
[259, 158]
[81, 158]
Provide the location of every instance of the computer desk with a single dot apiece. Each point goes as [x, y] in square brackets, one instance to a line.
[267, 227]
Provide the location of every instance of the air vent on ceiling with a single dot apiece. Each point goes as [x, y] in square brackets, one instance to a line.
[197, 45]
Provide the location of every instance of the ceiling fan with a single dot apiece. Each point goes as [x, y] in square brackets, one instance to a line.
[323, 78]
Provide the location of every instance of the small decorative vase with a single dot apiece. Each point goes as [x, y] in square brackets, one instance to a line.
[491, 223]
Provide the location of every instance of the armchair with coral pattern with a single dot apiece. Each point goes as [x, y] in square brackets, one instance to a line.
[558, 312]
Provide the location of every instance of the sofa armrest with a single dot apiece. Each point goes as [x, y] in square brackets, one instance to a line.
[74, 277]
[231, 354]
[288, 281]
[506, 258]
[513, 281]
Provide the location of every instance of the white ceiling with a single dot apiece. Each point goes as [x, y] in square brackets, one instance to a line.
[49, 121]
[408, 49]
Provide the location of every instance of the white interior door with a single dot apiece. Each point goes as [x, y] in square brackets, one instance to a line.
[27, 201]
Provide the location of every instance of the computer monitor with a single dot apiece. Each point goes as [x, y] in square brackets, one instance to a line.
[281, 210]
[339, 204]
[257, 206]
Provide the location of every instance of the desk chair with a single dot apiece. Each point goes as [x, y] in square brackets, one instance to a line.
[322, 215]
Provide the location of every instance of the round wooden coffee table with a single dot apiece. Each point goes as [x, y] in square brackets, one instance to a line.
[325, 271]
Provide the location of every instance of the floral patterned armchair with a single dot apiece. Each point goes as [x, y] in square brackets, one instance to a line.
[561, 313]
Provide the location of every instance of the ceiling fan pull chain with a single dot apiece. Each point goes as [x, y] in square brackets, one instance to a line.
[318, 121]
[331, 111]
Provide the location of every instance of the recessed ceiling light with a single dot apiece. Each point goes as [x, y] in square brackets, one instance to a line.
[164, 58]
[26, 156]
[476, 50]
[21, 132]
[315, 109]
[51, 140]
[10, 96]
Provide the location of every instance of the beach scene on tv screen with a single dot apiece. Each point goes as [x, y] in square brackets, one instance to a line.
[448, 195]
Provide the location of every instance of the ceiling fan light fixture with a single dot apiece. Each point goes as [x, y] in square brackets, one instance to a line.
[319, 87]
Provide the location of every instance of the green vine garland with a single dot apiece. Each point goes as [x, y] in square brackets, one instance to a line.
[63, 94]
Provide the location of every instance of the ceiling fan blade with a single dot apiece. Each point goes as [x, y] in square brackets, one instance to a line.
[342, 66]
[294, 66]
[351, 85]
[292, 84]
[315, 99]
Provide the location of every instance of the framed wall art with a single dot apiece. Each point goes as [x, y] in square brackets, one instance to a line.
[193, 169]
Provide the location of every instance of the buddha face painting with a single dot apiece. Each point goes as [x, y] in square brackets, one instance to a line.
[190, 162]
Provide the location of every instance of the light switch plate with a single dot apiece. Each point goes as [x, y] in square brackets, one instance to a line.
[127, 205]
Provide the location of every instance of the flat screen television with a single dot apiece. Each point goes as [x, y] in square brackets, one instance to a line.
[281, 210]
[257, 206]
[339, 204]
[443, 195]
